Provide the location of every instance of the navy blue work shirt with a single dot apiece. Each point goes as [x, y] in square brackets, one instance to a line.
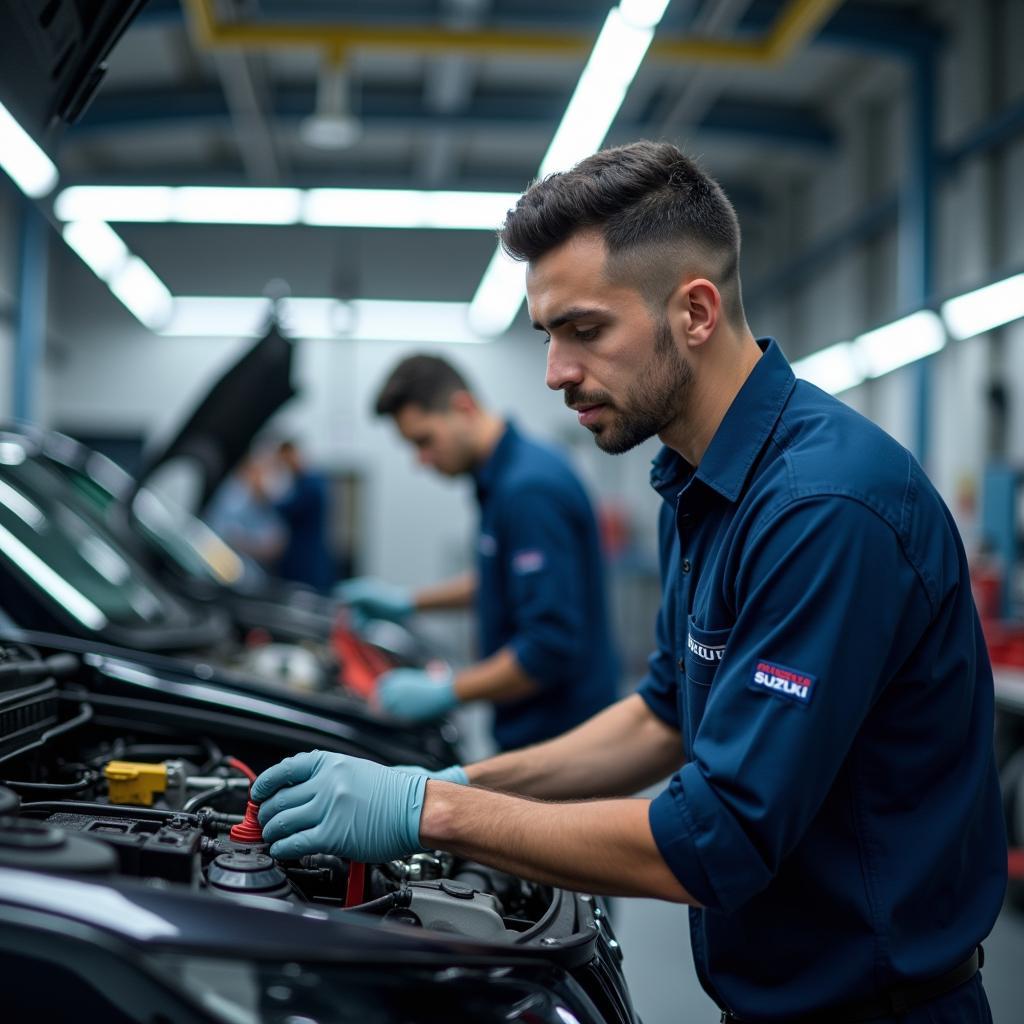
[306, 557]
[541, 590]
[819, 651]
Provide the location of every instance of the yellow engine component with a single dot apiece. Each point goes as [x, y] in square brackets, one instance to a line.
[132, 782]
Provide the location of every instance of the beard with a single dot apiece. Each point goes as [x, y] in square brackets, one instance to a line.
[653, 400]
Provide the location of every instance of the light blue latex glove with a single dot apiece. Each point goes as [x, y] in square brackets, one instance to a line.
[416, 695]
[376, 599]
[333, 803]
[456, 773]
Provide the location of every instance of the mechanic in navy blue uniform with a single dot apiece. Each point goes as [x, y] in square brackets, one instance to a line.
[549, 661]
[304, 508]
[820, 695]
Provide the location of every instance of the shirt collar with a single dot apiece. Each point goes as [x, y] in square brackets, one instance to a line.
[488, 473]
[740, 436]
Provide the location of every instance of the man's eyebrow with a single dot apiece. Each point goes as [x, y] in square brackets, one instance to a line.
[576, 313]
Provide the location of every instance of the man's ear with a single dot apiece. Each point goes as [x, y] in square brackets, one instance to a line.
[694, 310]
[462, 401]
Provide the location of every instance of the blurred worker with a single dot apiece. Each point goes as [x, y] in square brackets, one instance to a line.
[239, 514]
[820, 693]
[300, 496]
[539, 591]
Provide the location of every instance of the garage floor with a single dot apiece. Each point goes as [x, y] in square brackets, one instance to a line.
[665, 990]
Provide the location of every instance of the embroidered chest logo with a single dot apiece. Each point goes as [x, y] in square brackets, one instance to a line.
[709, 655]
[526, 562]
[783, 682]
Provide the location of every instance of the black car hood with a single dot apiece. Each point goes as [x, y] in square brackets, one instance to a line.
[220, 430]
[52, 57]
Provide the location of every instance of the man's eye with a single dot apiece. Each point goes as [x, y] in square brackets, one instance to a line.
[587, 334]
[547, 339]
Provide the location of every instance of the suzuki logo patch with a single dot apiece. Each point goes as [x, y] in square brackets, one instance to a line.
[782, 681]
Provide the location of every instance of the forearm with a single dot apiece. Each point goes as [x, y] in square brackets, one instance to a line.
[603, 847]
[497, 678]
[615, 753]
[449, 595]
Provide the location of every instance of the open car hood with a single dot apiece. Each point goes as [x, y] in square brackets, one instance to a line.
[220, 430]
[52, 57]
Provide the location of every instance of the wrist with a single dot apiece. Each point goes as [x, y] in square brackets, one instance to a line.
[439, 820]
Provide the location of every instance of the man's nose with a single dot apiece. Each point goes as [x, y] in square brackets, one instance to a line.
[562, 370]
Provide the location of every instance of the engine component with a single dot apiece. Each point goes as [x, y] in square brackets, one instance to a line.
[450, 906]
[247, 872]
[144, 848]
[133, 782]
[38, 846]
[9, 801]
[27, 710]
[248, 831]
[420, 867]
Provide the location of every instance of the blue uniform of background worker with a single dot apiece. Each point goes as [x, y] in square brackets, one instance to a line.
[820, 695]
[549, 660]
[304, 508]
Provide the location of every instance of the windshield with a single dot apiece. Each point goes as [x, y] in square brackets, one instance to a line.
[179, 535]
[51, 535]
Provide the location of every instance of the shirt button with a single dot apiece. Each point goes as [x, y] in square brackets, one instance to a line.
[686, 565]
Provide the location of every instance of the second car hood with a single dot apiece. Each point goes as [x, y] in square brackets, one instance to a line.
[221, 428]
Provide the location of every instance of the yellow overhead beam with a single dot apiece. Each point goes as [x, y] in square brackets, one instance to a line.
[796, 23]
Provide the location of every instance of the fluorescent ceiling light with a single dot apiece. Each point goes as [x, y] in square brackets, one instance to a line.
[613, 64]
[985, 308]
[327, 207]
[361, 319]
[237, 205]
[833, 369]
[51, 582]
[119, 203]
[499, 295]
[23, 158]
[406, 208]
[143, 293]
[903, 341]
[99, 246]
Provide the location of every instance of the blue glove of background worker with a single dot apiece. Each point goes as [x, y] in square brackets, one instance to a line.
[456, 773]
[333, 803]
[376, 599]
[416, 695]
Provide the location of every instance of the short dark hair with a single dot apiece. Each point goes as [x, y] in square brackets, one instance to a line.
[659, 214]
[426, 381]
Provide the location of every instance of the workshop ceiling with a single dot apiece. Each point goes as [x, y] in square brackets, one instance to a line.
[177, 108]
[172, 109]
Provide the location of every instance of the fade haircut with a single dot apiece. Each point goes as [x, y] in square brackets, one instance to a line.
[661, 217]
[426, 381]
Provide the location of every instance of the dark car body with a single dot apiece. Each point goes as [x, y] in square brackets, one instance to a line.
[121, 912]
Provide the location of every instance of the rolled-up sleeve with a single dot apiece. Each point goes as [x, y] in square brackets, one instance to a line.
[542, 554]
[827, 608]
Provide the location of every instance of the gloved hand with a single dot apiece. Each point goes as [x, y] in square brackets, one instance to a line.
[416, 695]
[456, 773]
[333, 803]
[376, 599]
